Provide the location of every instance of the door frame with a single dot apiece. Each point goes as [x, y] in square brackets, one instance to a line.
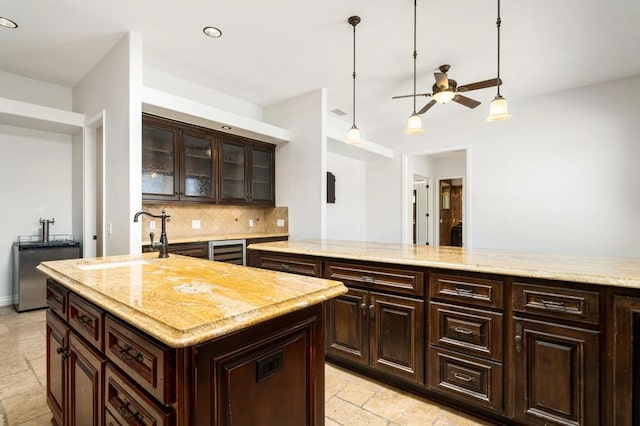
[90, 203]
[437, 203]
[407, 191]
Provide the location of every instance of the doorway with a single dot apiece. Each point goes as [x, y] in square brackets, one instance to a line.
[451, 212]
[94, 187]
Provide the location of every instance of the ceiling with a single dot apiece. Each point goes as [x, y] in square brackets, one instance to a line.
[274, 50]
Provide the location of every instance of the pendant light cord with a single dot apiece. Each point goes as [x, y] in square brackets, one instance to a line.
[354, 71]
[415, 53]
[498, 23]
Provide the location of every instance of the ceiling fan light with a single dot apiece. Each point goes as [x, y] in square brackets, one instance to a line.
[444, 96]
[414, 125]
[498, 110]
[354, 136]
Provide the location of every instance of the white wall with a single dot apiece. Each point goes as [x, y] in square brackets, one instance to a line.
[301, 165]
[35, 171]
[37, 92]
[346, 218]
[160, 80]
[114, 84]
[560, 176]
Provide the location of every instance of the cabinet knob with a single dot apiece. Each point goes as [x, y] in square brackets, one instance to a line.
[363, 308]
[518, 337]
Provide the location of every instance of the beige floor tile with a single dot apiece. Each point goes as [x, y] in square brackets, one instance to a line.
[449, 417]
[23, 408]
[39, 365]
[4, 329]
[333, 385]
[356, 394]
[43, 420]
[18, 384]
[13, 364]
[27, 330]
[329, 422]
[345, 413]
[403, 408]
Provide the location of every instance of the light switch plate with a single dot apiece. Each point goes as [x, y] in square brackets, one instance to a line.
[195, 224]
[250, 223]
[280, 222]
[152, 224]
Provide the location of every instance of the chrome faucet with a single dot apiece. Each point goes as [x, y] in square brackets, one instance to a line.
[163, 246]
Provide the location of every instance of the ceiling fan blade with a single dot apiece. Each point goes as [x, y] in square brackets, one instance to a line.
[442, 81]
[479, 85]
[411, 96]
[427, 106]
[468, 102]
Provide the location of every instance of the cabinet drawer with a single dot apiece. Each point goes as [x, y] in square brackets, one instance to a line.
[466, 378]
[87, 320]
[150, 364]
[473, 331]
[295, 265]
[557, 302]
[57, 298]
[199, 250]
[467, 289]
[377, 278]
[125, 404]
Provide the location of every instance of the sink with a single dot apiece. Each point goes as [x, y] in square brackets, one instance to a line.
[109, 265]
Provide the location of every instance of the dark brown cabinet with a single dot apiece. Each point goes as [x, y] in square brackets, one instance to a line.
[178, 163]
[246, 173]
[75, 373]
[186, 163]
[377, 329]
[195, 249]
[556, 374]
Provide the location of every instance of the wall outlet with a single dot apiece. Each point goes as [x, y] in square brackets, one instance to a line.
[152, 224]
[250, 223]
[280, 223]
[195, 224]
[109, 228]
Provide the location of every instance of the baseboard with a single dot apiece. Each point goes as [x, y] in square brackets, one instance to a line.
[6, 300]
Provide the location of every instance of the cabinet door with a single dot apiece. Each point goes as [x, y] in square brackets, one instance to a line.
[57, 340]
[348, 327]
[197, 171]
[262, 176]
[159, 160]
[556, 377]
[233, 173]
[397, 336]
[86, 372]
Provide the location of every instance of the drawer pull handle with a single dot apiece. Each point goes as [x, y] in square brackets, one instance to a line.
[126, 355]
[363, 308]
[552, 304]
[463, 377]
[518, 338]
[368, 279]
[83, 319]
[126, 412]
[285, 267]
[464, 292]
[463, 330]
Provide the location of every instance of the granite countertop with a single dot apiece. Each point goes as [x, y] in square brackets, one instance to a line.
[614, 271]
[182, 301]
[214, 237]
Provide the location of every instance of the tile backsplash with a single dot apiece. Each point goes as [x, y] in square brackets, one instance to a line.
[216, 219]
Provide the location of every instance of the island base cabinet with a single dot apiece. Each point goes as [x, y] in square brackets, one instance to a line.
[278, 374]
[556, 374]
[74, 377]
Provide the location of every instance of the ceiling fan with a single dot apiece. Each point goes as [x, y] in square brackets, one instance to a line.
[446, 89]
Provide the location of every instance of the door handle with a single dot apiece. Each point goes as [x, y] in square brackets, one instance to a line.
[518, 338]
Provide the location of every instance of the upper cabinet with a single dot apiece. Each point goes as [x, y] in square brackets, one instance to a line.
[185, 163]
[246, 173]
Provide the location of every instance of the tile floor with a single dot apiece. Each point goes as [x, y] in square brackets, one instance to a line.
[350, 399]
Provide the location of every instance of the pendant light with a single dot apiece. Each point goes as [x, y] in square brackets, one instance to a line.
[498, 110]
[414, 124]
[354, 133]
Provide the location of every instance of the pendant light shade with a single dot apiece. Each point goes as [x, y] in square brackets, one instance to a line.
[498, 110]
[414, 124]
[353, 137]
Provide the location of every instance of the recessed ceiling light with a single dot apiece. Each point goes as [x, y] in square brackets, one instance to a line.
[227, 127]
[7, 23]
[212, 32]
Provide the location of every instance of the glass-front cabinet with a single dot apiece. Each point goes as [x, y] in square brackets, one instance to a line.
[182, 162]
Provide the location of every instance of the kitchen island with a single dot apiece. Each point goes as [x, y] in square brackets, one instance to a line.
[515, 337]
[183, 341]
